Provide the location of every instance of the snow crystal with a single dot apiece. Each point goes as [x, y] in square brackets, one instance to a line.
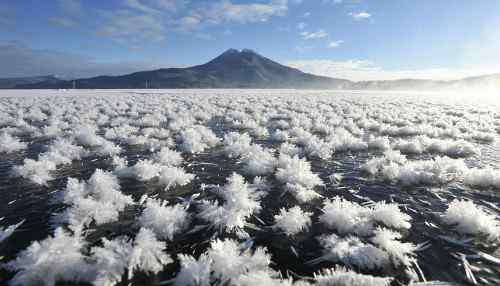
[229, 261]
[62, 151]
[35, 171]
[483, 178]
[342, 140]
[293, 220]
[348, 217]
[289, 149]
[143, 170]
[86, 136]
[99, 199]
[352, 251]
[165, 221]
[421, 144]
[301, 193]
[468, 218]
[378, 143]
[401, 253]
[297, 176]
[168, 157]
[174, 176]
[439, 170]
[258, 161]
[193, 272]
[240, 201]
[197, 139]
[147, 254]
[261, 277]
[340, 276]
[57, 258]
[9, 144]
[236, 144]
[110, 260]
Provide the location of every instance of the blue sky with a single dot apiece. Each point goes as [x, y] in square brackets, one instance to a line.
[355, 39]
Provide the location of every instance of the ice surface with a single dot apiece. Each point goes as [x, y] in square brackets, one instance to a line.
[236, 187]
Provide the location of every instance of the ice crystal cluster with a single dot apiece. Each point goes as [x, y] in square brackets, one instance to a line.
[247, 187]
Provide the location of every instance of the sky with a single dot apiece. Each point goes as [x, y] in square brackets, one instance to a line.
[352, 39]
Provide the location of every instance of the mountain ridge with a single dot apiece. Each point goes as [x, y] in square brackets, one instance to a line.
[246, 69]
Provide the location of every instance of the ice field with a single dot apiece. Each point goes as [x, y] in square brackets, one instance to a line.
[248, 187]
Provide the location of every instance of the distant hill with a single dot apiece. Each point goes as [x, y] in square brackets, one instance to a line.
[491, 82]
[243, 69]
[13, 82]
[232, 69]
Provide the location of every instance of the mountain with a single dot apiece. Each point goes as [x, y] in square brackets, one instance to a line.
[6, 83]
[232, 69]
[245, 69]
[485, 82]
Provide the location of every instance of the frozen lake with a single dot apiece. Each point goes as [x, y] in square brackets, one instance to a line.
[240, 187]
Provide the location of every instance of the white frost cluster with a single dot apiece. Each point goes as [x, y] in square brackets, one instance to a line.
[165, 221]
[483, 178]
[469, 218]
[174, 176]
[240, 201]
[255, 125]
[196, 139]
[298, 178]
[98, 200]
[352, 251]
[62, 151]
[340, 276]
[423, 144]
[57, 258]
[147, 254]
[395, 168]
[226, 263]
[348, 217]
[257, 160]
[144, 254]
[10, 144]
[165, 167]
[292, 221]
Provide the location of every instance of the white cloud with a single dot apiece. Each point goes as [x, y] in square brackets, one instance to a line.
[226, 11]
[335, 44]
[124, 26]
[307, 14]
[360, 70]
[171, 5]
[146, 6]
[301, 25]
[333, 1]
[360, 15]
[314, 35]
[189, 23]
[137, 5]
